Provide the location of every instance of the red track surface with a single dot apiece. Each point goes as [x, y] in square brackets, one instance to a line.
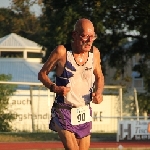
[48, 145]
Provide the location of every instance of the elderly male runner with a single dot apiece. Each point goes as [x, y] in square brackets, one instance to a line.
[75, 66]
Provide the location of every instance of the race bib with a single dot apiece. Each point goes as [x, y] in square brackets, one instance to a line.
[80, 115]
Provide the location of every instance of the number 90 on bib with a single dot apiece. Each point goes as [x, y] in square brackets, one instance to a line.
[80, 115]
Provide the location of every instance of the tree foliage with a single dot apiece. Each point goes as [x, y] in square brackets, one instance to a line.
[6, 21]
[6, 116]
[26, 22]
[144, 102]
[115, 22]
[20, 20]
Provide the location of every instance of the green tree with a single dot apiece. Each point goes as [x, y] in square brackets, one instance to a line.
[6, 116]
[60, 16]
[20, 20]
[6, 21]
[144, 103]
[26, 23]
[113, 21]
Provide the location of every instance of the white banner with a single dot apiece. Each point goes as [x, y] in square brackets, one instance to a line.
[109, 107]
[134, 130]
[37, 116]
[31, 117]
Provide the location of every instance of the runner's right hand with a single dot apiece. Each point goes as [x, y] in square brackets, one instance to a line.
[61, 90]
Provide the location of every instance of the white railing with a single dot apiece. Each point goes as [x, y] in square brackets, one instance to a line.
[109, 111]
[21, 83]
[136, 103]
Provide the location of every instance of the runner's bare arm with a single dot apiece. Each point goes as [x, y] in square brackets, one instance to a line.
[50, 64]
[99, 78]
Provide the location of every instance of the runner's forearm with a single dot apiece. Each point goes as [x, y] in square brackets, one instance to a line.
[99, 84]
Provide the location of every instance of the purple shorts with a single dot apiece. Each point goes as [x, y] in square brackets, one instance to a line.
[62, 117]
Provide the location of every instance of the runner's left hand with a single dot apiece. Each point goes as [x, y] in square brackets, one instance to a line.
[97, 98]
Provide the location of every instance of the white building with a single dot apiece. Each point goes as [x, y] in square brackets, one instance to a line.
[15, 46]
[18, 57]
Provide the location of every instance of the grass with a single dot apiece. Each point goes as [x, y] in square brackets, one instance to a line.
[48, 136]
[25, 137]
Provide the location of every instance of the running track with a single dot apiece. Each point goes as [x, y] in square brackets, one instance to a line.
[48, 145]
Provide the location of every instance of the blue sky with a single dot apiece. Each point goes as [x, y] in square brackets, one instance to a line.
[6, 3]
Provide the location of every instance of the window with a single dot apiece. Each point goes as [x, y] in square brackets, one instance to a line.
[10, 54]
[34, 55]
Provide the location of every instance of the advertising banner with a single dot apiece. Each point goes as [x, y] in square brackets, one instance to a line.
[134, 130]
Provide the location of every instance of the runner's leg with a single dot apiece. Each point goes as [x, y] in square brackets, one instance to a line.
[84, 143]
[68, 139]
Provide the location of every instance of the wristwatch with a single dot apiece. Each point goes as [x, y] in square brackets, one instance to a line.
[52, 87]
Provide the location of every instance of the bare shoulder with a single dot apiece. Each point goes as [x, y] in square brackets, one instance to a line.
[97, 63]
[57, 55]
[96, 53]
[95, 49]
[60, 50]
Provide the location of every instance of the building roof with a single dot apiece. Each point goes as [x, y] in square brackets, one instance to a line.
[21, 70]
[15, 41]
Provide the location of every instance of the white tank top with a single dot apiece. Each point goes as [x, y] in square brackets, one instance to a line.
[81, 82]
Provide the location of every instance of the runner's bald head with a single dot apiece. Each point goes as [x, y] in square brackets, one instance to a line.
[81, 24]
